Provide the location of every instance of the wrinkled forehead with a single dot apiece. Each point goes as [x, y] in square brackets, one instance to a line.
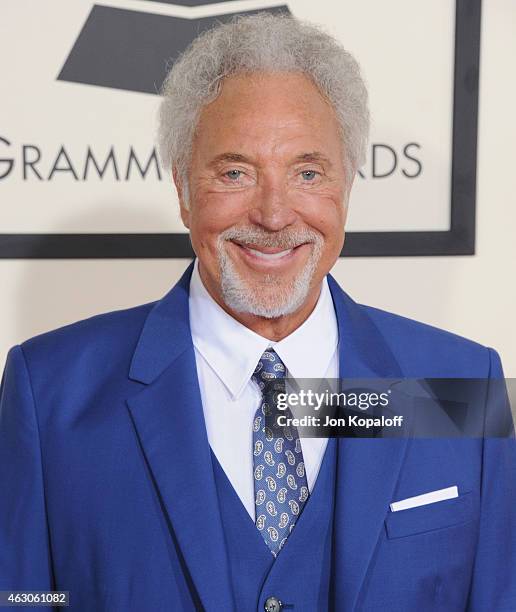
[268, 114]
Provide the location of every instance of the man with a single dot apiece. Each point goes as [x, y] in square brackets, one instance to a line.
[136, 471]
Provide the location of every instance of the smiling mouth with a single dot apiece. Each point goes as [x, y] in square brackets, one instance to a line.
[268, 253]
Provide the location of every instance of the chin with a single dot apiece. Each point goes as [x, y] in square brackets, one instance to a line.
[269, 299]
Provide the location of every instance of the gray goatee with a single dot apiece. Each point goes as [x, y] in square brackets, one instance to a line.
[275, 297]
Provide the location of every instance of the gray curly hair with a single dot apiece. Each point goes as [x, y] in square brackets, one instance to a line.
[262, 42]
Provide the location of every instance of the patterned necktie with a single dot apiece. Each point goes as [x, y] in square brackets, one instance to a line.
[280, 484]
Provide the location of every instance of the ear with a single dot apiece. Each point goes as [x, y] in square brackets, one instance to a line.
[350, 185]
[347, 189]
[347, 192]
[183, 205]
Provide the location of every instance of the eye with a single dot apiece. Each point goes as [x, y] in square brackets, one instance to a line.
[309, 175]
[233, 174]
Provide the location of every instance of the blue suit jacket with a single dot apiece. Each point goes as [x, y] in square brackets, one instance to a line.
[103, 453]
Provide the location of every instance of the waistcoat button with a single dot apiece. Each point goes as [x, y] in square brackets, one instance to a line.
[272, 604]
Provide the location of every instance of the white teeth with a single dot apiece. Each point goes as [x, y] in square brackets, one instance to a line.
[269, 256]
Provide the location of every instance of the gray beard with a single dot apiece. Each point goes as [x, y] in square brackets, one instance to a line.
[274, 297]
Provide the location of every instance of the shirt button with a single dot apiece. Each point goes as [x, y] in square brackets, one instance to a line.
[272, 604]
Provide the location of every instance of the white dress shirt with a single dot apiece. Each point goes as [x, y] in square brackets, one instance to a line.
[226, 354]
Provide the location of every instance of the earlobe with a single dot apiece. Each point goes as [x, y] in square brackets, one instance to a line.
[350, 184]
[185, 215]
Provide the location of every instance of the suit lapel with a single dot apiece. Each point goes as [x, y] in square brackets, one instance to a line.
[367, 468]
[169, 421]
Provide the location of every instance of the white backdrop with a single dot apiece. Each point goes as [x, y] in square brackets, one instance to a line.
[411, 91]
[472, 295]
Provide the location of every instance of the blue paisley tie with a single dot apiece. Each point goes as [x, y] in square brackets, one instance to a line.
[280, 484]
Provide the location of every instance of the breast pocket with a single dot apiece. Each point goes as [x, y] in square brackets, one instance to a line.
[429, 517]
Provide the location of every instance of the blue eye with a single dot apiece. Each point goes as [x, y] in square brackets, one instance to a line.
[233, 174]
[309, 174]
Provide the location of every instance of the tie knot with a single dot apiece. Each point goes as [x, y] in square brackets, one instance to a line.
[269, 367]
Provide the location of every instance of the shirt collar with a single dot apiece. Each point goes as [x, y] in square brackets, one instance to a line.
[232, 350]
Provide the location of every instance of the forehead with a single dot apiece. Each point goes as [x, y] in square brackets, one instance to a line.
[268, 114]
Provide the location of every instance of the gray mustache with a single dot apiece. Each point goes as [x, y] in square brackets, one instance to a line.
[279, 240]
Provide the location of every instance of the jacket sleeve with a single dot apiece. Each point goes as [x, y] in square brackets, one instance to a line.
[494, 578]
[25, 562]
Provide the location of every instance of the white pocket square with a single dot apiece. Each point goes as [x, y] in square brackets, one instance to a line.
[426, 498]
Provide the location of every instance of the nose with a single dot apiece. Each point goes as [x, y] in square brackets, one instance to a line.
[271, 208]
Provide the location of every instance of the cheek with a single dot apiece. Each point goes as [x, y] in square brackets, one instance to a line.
[212, 213]
[326, 215]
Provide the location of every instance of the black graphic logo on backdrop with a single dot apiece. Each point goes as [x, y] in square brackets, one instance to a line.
[129, 49]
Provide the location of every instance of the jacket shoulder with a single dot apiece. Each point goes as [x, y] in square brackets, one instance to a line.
[103, 333]
[419, 347]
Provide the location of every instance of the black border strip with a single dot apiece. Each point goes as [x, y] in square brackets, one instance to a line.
[460, 240]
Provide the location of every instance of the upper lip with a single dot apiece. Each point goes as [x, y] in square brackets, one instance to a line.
[263, 249]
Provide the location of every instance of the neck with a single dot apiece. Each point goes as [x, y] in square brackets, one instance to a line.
[274, 329]
[279, 327]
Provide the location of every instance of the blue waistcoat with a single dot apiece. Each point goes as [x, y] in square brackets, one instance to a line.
[300, 575]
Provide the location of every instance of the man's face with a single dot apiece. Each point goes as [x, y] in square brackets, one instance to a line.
[267, 193]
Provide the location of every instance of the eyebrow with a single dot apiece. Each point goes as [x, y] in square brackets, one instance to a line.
[230, 157]
[312, 156]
